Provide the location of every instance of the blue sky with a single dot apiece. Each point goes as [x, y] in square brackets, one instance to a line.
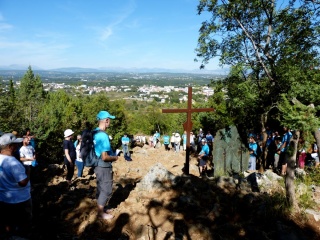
[100, 33]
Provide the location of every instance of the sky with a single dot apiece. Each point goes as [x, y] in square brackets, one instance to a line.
[52, 34]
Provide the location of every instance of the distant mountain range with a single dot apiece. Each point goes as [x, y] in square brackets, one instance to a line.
[16, 67]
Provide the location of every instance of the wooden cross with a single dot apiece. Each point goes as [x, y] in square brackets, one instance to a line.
[188, 124]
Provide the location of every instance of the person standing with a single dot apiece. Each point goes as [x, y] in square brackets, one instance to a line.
[282, 151]
[172, 138]
[103, 171]
[209, 138]
[31, 137]
[69, 154]
[15, 196]
[200, 136]
[184, 140]
[156, 139]
[203, 157]
[192, 143]
[166, 142]
[151, 141]
[253, 146]
[277, 142]
[27, 155]
[79, 161]
[177, 140]
[125, 146]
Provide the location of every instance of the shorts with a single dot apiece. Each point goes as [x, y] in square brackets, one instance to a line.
[203, 161]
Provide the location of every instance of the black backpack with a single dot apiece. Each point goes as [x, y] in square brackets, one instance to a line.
[87, 152]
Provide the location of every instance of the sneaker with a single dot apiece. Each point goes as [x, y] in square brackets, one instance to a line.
[106, 216]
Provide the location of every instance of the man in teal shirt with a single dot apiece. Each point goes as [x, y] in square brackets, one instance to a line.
[104, 171]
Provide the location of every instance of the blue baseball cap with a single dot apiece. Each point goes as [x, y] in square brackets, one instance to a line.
[103, 115]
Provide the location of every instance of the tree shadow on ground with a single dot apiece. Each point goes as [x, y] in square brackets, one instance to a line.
[201, 205]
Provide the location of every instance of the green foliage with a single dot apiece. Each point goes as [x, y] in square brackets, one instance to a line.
[8, 111]
[298, 116]
[272, 49]
[31, 95]
[312, 178]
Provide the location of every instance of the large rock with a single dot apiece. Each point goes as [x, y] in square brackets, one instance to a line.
[229, 153]
[158, 177]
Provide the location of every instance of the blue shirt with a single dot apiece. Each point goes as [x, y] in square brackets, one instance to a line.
[166, 139]
[125, 140]
[205, 150]
[209, 137]
[101, 143]
[11, 173]
[184, 138]
[286, 138]
[253, 147]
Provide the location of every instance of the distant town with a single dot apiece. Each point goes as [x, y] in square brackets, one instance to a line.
[138, 86]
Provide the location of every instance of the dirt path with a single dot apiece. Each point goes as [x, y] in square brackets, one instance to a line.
[193, 208]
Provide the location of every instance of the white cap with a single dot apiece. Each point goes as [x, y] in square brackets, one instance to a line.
[68, 133]
[9, 138]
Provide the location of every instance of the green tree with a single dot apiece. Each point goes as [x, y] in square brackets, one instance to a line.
[267, 45]
[31, 94]
[272, 49]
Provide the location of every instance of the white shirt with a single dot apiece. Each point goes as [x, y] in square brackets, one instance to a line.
[27, 152]
[79, 159]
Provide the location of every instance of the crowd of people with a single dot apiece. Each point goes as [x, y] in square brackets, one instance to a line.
[277, 151]
[18, 160]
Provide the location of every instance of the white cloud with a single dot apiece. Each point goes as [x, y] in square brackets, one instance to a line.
[106, 33]
[5, 26]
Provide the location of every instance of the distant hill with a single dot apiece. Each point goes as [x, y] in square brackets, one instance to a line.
[16, 67]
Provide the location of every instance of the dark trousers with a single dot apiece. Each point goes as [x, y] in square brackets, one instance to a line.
[166, 147]
[70, 169]
[16, 218]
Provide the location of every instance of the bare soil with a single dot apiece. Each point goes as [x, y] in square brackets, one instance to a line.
[194, 208]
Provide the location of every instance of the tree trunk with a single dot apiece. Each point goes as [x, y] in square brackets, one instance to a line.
[264, 135]
[291, 161]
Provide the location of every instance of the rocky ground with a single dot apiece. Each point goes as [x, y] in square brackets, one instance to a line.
[162, 204]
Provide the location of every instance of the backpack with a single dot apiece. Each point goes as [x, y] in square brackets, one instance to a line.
[87, 151]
